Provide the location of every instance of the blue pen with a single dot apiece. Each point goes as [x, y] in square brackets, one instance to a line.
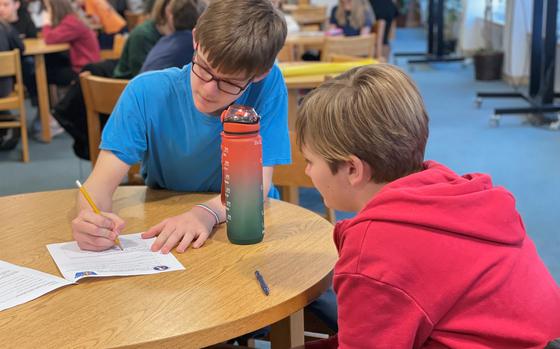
[263, 284]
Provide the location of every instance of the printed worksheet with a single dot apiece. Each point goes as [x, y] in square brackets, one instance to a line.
[19, 285]
[135, 259]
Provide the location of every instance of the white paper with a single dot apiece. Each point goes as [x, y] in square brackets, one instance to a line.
[135, 259]
[19, 285]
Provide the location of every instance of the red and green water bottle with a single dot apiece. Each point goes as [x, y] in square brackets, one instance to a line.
[242, 182]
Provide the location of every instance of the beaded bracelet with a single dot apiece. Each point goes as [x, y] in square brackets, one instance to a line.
[211, 211]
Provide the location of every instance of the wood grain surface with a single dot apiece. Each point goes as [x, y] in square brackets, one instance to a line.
[214, 299]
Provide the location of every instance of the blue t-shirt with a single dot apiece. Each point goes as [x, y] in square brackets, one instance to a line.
[347, 29]
[173, 50]
[155, 121]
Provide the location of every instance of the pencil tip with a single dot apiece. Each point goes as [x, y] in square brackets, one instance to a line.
[78, 183]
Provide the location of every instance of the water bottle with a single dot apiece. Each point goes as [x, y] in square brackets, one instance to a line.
[242, 182]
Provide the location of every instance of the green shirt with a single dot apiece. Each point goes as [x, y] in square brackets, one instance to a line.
[139, 43]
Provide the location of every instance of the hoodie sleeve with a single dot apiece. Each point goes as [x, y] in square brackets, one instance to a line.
[372, 314]
[67, 30]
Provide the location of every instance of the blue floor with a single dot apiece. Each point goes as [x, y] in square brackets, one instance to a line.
[523, 158]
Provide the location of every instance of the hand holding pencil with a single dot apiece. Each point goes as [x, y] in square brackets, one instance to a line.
[95, 230]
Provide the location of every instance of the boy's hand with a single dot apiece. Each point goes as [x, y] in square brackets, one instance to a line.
[194, 225]
[96, 232]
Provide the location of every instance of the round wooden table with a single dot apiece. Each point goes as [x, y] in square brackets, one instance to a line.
[38, 48]
[216, 298]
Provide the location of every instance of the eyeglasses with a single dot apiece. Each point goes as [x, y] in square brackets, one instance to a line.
[223, 85]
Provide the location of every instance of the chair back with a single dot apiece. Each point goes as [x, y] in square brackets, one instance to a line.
[100, 97]
[359, 46]
[10, 66]
[310, 17]
[291, 177]
[118, 45]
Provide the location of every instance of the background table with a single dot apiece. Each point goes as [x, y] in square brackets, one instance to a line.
[216, 298]
[38, 48]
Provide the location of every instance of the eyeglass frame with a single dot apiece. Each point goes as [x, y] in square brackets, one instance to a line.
[218, 80]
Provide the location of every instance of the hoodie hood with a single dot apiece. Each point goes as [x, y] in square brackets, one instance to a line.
[438, 199]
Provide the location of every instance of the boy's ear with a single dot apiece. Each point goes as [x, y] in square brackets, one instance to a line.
[262, 76]
[359, 172]
[193, 40]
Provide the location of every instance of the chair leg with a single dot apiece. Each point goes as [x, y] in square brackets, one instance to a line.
[330, 215]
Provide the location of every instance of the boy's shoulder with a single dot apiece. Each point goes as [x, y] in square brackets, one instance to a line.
[159, 82]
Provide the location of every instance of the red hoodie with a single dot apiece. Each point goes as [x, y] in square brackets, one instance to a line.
[84, 47]
[436, 260]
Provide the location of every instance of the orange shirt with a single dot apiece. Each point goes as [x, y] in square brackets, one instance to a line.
[110, 20]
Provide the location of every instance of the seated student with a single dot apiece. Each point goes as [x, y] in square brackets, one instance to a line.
[169, 121]
[15, 13]
[353, 17]
[176, 49]
[61, 24]
[141, 40]
[102, 12]
[432, 259]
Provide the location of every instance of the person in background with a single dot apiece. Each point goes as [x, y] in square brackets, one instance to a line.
[101, 12]
[352, 17]
[176, 49]
[36, 8]
[9, 40]
[386, 10]
[61, 24]
[432, 259]
[141, 40]
[15, 13]
[291, 23]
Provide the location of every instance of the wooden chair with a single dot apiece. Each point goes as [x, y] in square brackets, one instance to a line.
[287, 53]
[359, 46]
[10, 66]
[310, 17]
[134, 19]
[118, 45]
[289, 178]
[100, 96]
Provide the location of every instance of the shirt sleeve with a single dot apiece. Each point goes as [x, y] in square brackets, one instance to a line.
[125, 132]
[274, 122]
[64, 32]
[372, 314]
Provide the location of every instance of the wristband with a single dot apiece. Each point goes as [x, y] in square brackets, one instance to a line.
[211, 211]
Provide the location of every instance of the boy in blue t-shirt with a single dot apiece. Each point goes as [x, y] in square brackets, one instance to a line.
[168, 120]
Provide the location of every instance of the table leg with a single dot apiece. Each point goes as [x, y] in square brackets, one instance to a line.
[292, 108]
[287, 333]
[43, 96]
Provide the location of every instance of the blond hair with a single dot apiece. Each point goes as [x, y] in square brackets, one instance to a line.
[241, 36]
[374, 112]
[359, 12]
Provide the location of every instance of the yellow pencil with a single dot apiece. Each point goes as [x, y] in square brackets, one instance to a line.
[94, 208]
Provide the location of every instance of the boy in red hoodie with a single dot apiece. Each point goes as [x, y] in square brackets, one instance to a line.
[432, 259]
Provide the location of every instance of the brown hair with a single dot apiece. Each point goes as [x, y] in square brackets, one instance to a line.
[374, 112]
[241, 35]
[158, 12]
[361, 9]
[60, 9]
[186, 13]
